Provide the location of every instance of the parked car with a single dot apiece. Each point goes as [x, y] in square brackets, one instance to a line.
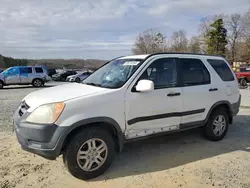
[24, 75]
[78, 77]
[243, 76]
[129, 98]
[51, 72]
[63, 75]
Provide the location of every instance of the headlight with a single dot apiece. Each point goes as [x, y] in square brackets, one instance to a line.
[47, 114]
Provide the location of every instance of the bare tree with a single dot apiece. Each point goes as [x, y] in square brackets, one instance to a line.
[194, 45]
[149, 41]
[179, 41]
[246, 32]
[235, 27]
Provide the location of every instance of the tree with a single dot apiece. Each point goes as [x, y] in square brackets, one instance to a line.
[235, 28]
[149, 41]
[217, 38]
[179, 41]
[194, 45]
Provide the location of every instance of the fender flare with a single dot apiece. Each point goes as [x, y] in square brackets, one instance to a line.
[83, 123]
[229, 105]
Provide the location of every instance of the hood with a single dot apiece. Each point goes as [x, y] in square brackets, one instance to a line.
[56, 75]
[60, 93]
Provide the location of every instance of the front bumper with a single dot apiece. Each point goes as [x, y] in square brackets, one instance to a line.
[40, 139]
[72, 80]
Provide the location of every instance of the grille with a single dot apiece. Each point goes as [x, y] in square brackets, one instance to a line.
[23, 108]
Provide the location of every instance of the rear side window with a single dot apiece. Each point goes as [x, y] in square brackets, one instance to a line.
[244, 69]
[222, 69]
[25, 70]
[39, 70]
[194, 72]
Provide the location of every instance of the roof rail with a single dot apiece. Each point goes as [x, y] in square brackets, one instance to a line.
[184, 53]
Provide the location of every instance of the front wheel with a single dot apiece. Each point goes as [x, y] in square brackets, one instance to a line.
[90, 153]
[1, 84]
[217, 125]
[243, 84]
[78, 80]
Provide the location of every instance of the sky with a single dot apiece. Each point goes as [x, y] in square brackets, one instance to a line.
[99, 29]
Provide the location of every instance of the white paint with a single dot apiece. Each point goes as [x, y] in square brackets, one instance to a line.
[145, 86]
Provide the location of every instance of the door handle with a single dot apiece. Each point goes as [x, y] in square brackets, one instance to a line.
[213, 89]
[173, 94]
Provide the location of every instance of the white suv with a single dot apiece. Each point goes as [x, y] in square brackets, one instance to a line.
[127, 98]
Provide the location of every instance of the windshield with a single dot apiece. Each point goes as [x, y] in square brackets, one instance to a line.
[9, 71]
[114, 74]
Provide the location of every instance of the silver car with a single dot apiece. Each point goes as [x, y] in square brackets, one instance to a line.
[78, 77]
[24, 75]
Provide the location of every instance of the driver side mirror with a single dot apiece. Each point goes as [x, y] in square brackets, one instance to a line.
[145, 86]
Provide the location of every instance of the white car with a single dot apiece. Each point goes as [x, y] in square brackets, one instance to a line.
[129, 98]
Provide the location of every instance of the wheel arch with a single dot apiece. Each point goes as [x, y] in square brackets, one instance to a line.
[35, 78]
[103, 122]
[2, 81]
[225, 104]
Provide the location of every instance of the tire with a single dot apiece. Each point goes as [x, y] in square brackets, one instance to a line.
[78, 80]
[209, 130]
[75, 165]
[37, 82]
[1, 84]
[243, 83]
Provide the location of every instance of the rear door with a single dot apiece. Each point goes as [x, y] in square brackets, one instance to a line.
[26, 75]
[199, 91]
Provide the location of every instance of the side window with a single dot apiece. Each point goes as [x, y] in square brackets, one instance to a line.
[162, 72]
[194, 72]
[12, 71]
[222, 69]
[39, 70]
[25, 70]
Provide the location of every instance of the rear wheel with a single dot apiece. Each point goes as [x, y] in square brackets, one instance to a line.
[37, 82]
[90, 153]
[217, 125]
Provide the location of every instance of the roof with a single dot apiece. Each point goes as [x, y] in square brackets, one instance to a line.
[144, 56]
[27, 66]
[135, 57]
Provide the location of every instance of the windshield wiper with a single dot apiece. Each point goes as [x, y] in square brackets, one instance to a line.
[93, 84]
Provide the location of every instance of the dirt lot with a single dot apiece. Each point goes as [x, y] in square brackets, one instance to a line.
[178, 160]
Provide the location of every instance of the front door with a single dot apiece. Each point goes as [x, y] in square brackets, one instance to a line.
[159, 110]
[12, 76]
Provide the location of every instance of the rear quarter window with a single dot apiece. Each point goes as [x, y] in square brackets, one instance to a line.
[222, 69]
[39, 70]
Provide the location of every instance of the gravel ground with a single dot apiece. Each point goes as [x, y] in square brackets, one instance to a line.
[179, 160]
[10, 97]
